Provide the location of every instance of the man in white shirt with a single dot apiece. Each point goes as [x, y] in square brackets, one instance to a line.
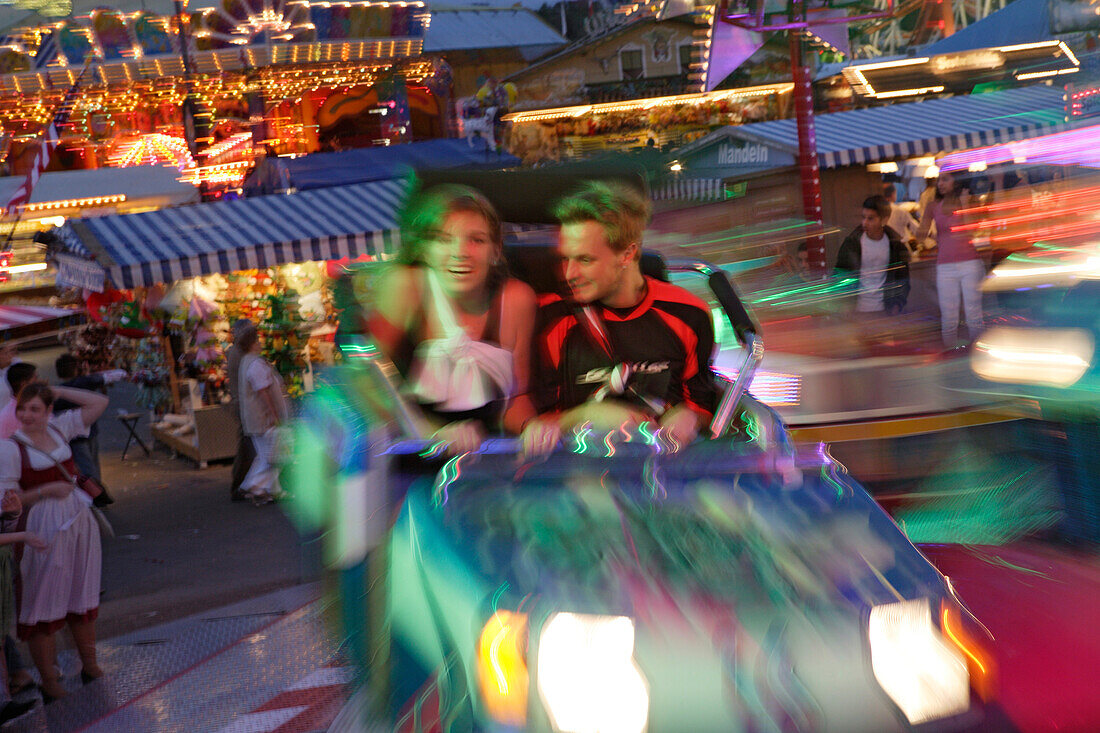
[901, 221]
[263, 409]
[875, 254]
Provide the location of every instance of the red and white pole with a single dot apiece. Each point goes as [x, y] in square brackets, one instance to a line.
[807, 151]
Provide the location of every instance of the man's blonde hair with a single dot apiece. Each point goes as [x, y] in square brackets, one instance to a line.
[621, 211]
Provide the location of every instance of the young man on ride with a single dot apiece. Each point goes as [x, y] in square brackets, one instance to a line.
[625, 348]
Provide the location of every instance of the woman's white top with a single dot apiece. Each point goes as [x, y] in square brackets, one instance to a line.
[454, 373]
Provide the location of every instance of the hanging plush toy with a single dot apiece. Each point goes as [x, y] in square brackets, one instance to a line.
[120, 311]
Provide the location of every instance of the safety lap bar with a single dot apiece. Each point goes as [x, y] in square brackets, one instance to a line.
[802, 456]
[744, 327]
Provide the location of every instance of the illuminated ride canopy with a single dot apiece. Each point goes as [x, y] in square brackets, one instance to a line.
[277, 63]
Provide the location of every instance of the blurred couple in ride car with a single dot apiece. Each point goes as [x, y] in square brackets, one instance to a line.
[481, 352]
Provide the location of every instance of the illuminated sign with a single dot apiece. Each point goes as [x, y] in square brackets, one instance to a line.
[961, 72]
[752, 153]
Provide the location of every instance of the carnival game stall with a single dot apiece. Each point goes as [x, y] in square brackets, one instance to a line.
[539, 136]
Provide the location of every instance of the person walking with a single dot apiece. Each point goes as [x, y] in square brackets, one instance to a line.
[959, 268]
[245, 452]
[263, 409]
[875, 255]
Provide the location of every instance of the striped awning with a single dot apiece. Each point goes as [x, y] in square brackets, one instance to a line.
[912, 129]
[187, 241]
[25, 321]
[689, 189]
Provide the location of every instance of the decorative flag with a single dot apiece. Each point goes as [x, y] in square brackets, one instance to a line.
[48, 144]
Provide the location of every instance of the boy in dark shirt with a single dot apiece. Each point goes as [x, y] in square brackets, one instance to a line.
[657, 339]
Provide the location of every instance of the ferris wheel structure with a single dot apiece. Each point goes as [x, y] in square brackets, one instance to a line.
[915, 23]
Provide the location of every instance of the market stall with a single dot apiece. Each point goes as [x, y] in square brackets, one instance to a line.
[22, 322]
[172, 281]
[758, 162]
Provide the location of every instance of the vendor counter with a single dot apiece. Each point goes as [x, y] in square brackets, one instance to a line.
[212, 435]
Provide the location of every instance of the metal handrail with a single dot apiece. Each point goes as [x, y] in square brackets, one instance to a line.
[744, 327]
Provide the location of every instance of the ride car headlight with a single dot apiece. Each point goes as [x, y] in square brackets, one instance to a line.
[922, 673]
[587, 677]
[502, 667]
[1052, 356]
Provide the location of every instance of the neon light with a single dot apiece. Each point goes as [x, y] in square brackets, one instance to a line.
[1040, 74]
[908, 92]
[36, 267]
[1025, 46]
[74, 203]
[641, 104]
[958, 642]
[891, 64]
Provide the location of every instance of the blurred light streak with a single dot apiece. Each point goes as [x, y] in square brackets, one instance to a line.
[771, 388]
[502, 666]
[980, 666]
[1013, 354]
[980, 500]
[450, 472]
[1073, 147]
[954, 637]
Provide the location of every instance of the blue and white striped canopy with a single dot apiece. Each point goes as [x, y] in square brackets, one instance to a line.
[689, 189]
[914, 129]
[186, 241]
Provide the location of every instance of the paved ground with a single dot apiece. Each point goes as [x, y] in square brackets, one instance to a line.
[210, 616]
[268, 664]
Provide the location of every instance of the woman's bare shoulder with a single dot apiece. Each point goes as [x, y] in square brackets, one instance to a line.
[517, 293]
[397, 284]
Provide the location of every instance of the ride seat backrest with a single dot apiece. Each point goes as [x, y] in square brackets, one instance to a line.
[539, 265]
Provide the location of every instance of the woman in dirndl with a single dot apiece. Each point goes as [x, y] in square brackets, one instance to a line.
[59, 585]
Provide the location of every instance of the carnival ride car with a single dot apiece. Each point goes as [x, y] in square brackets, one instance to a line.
[619, 584]
[1042, 354]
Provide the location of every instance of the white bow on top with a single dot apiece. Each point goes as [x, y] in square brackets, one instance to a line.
[455, 373]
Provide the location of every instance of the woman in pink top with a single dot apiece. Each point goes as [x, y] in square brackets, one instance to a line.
[959, 269]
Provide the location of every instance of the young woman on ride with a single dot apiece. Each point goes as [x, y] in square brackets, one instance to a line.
[60, 583]
[457, 327]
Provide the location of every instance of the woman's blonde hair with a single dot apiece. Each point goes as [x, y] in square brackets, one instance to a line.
[620, 210]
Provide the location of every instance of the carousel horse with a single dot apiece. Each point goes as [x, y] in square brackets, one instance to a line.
[478, 121]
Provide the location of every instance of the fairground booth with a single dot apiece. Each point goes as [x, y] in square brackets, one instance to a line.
[162, 288]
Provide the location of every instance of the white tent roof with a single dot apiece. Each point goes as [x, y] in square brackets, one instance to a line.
[139, 182]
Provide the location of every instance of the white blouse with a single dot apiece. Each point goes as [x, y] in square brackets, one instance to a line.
[69, 425]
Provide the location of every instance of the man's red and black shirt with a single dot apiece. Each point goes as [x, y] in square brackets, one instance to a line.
[667, 339]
